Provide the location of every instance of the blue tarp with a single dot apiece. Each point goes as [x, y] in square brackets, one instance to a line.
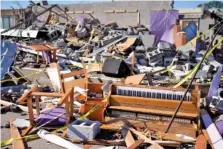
[8, 50]
[191, 30]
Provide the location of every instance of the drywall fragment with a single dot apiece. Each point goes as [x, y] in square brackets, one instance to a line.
[56, 140]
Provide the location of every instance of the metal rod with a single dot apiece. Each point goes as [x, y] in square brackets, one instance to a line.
[192, 79]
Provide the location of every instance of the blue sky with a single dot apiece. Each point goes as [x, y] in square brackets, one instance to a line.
[6, 4]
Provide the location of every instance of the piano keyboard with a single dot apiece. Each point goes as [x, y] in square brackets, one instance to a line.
[152, 93]
[125, 114]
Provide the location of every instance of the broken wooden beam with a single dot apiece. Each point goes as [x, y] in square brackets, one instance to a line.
[16, 143]
[129, 140]
[201, 142]
[26, 94]
[24, 108]
[136, 144]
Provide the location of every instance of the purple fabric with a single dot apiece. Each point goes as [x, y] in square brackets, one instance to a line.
[213, 90]
[50, 114]
[168, 36]
[47, 55]
[80, 19]
[219, 125]
[161, 21]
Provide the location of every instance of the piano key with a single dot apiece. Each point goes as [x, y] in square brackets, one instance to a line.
[141, 93]
[134, 93]
[158, 95]
[150, 95]
[163, 96]
[174, 96]
[181, 96]
[130, 92]
[153, 95]
[168, 96]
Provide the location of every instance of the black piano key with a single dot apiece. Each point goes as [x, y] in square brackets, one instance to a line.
[158, 95]
[174, 96]
[163, 96]
[134, 93]
[141, 94]
[147, 94]
[150, 95]
[129, 93]
[181, 96]
[178, 97]
[171, 96]
[189, 98]
[168, 96]
[144, 94]
[153, 94]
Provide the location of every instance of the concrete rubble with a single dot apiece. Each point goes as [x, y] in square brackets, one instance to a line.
[84, 83]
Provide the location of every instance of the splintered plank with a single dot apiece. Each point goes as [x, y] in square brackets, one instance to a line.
[87, 146]
[129, 140]
[26, 94]
[16, 144]
[201, 142]
[136, 79]
[27, 130]
[136, 144]
[207, 137]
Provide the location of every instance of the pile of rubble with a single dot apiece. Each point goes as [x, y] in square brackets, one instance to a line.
[85, 83]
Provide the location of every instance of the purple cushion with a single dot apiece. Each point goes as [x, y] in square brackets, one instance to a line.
[49, 114]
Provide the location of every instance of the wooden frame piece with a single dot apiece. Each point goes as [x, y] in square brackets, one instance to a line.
[16, 144]
[23, 98]
[109, 11]
[201, 142]
[70, 12]
[88, 12]
[78, 12]
[135, 79]
[27, 130]
[120, 11]
[129, 140]
[132, 11]
[136, 144]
